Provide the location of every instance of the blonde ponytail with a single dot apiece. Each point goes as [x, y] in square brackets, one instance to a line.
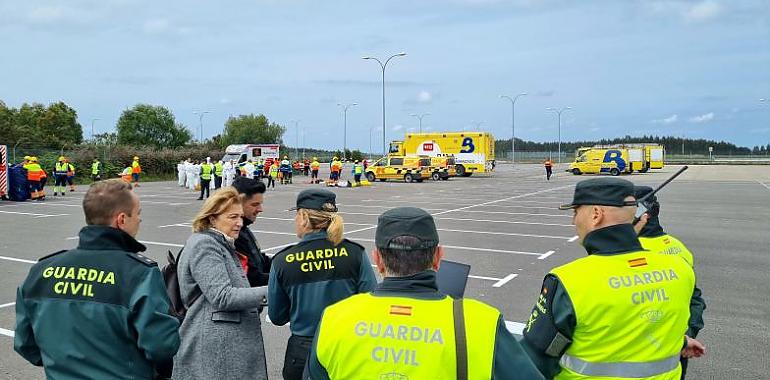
[328, 221]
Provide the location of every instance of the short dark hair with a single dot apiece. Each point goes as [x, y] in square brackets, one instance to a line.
[105, 199]
[407, 262]
[249, 186]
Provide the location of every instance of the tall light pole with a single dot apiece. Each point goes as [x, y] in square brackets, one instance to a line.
[92, 128]
[513, 123]
[296, 137]
[200, 119]
[420, 116]
[345, 108]
[383, 66]
[559, 113]
[371, 130]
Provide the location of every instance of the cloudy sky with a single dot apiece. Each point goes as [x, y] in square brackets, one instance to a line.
[675, 67]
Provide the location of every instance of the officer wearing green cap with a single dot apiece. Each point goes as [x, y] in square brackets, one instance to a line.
[321, 269]
[655, 239]
[407, 328]
[620, 312]
[99, 311]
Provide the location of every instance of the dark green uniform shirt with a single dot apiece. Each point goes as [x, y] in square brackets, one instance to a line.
[99, 311]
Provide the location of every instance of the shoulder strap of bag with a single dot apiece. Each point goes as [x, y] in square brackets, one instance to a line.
[196, 293]
[461, 345]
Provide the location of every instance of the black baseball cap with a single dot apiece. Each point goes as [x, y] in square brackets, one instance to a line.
[406, 221]
[315, 199]
[602, 192]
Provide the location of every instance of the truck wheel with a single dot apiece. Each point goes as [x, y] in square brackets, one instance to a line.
[435, 176]
[615, 172]
[370, 177]
[408, 178]
[576, 171]
[460, 170]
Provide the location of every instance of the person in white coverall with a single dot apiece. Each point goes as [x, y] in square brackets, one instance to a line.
[228, 172]
[190, 169]
[249, 168]
[181, 173]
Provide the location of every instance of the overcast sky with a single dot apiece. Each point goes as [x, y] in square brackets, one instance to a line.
[693, 68]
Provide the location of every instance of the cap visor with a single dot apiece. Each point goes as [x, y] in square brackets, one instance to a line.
[293, 209]
[567, 207]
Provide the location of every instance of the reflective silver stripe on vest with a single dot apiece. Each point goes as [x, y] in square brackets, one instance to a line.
[619, 369]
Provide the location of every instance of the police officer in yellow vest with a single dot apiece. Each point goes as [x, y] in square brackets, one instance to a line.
[406, 328]
[60, 176]
[655, 239]
[96, 170]
[218, 169]
[206, 170]
[619, 313]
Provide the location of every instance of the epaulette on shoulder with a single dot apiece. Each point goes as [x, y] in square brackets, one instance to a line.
[356, 244]
[52, 255]
[142, 259]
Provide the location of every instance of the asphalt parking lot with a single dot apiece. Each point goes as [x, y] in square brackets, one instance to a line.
[507, 226]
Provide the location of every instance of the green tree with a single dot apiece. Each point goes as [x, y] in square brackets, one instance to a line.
[148, 125]
[251, 129]
[40, 126]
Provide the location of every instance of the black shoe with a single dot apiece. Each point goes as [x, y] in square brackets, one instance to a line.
[200, 198]
[54, 194]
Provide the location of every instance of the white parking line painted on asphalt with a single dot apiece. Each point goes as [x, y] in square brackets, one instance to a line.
[6, 332]
[18, 260]
[274, 232]
[518, 213]
[7, 304]
[573, 239]
[545, 255]
[472, 248]
[504, 280]
[386, 207]
[516, 328]
[145, 242]
[506, 222]
[764, 184]
[504, 234]
[32, 214]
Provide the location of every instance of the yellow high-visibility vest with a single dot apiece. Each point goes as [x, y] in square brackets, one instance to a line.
[373, 337]
[632, 311]
[667, 245]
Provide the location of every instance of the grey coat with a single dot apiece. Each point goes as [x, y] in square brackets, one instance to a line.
[221, 334]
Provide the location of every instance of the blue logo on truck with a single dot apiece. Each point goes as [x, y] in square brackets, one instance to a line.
[614, 155]
[468, 146]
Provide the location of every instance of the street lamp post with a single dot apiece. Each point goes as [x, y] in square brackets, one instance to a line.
[420, 116]
[558, 112]
[345, 108]
[513, 124]
[383, 66]
[200, 120]
[296, 138]
[92, 128]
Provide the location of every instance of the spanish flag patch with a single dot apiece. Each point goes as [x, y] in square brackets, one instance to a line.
[640, 262]
[400, 310]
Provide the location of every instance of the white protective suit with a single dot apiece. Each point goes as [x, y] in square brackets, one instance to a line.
[181, 173]
[190, 170]
[228, 174]
[249, 167]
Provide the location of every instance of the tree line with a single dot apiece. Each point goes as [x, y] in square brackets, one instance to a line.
[672, 144]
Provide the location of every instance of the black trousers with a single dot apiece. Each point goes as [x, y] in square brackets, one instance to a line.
[297, 351]
[205, 183]
[548, 172]
[217, 182]
[314, 174]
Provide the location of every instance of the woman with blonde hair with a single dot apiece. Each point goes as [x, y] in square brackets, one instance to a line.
[320, 270]
[221, 333]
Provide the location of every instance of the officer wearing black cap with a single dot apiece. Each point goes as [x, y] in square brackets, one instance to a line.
[655, 239]
[321, 269]
[620, 312]
[406, 328]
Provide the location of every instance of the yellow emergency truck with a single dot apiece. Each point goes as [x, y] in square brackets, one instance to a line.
[401, 168]
[474, 152]
[442, 167]
[643, 156]
[614, 161]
